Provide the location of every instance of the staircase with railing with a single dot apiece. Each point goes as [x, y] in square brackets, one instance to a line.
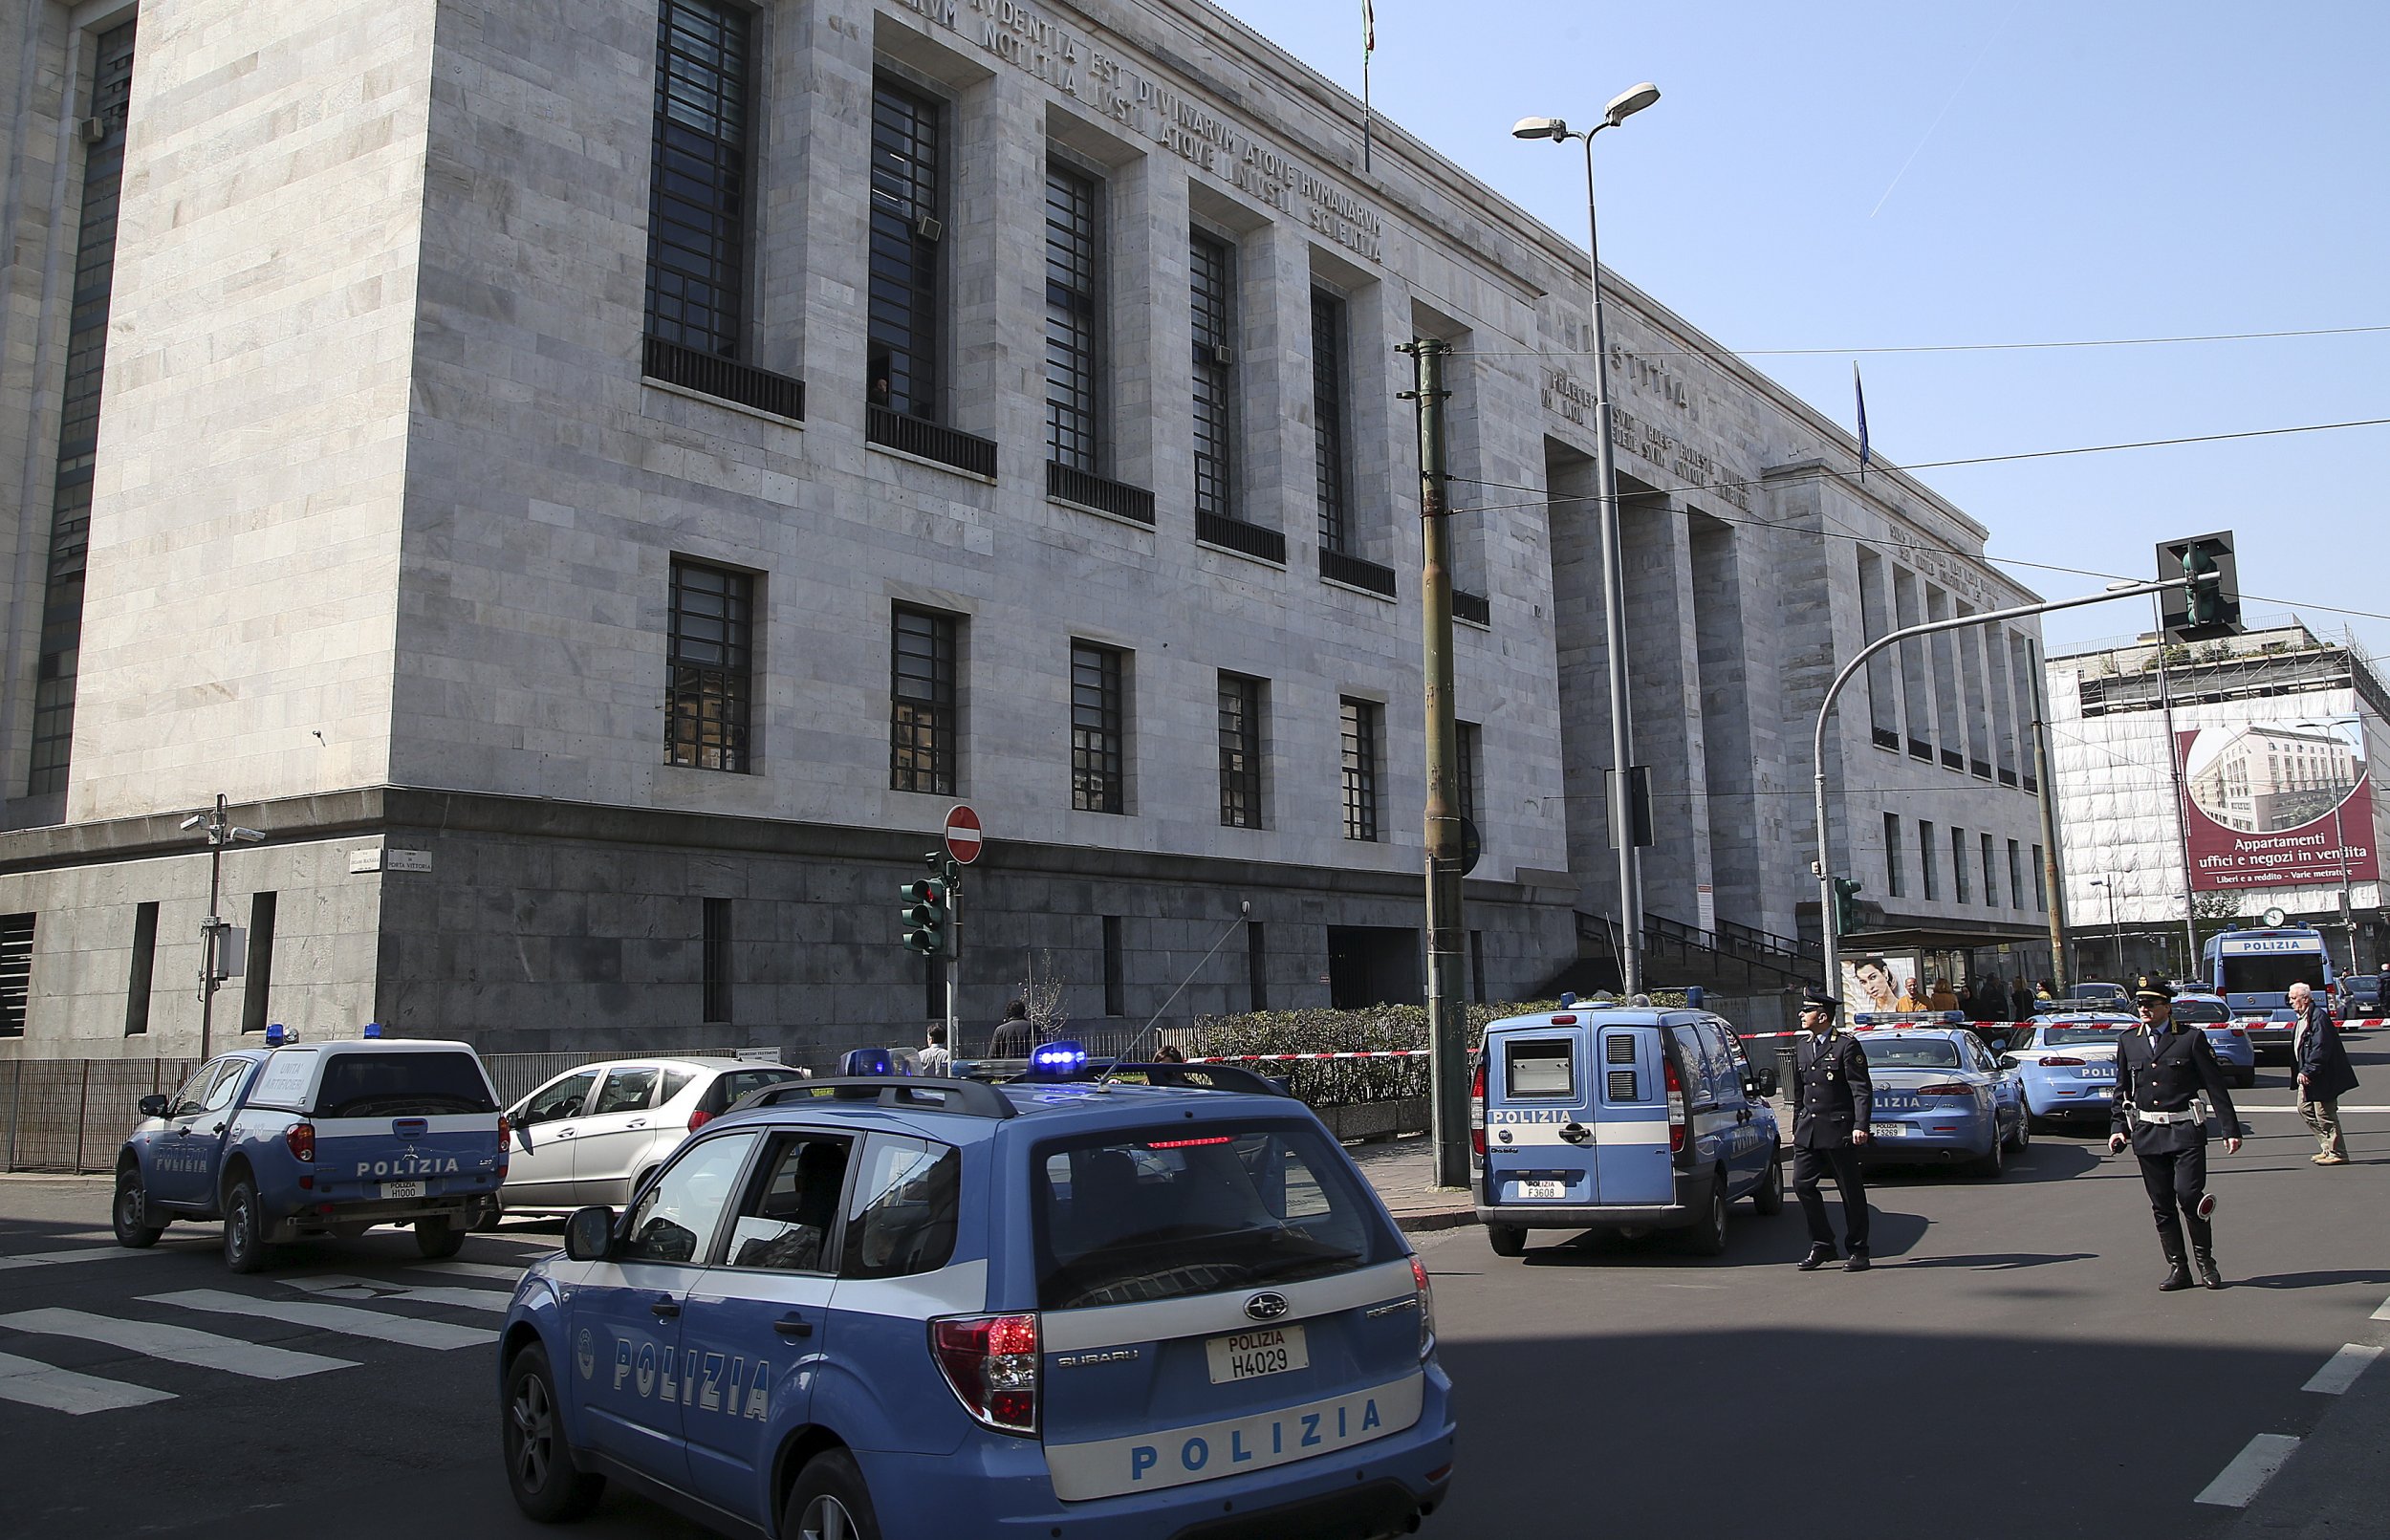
[1728, 959]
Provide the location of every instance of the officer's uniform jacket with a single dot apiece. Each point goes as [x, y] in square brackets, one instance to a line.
[1835, 1095]
[2167, 1079]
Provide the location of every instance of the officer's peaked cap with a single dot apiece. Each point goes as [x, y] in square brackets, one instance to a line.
[2154, 991]
[1820, 1000]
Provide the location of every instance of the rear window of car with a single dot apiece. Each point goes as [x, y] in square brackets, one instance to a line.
[402, 1085]
[2198, 1012]
[1912, 1053]
[1195, 1208]
[2076, 1036]
[726, 1090]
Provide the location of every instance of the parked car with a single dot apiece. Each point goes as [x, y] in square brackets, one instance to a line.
[1621, 1119]
[2359, 998]
[2067, 1066]
[2228, 1037]
[293, 1141]
[595, 1133]
[1941, 1097]
[2272, 1036]
[868, 1306]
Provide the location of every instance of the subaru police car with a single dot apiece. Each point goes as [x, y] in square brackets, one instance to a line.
[293, 1140]
[870, 1306]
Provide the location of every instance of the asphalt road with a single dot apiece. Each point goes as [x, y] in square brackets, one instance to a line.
[2006, 1368]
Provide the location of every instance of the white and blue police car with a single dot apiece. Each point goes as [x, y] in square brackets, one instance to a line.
[1155, 1302]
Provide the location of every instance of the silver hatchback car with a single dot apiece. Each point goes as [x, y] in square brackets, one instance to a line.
[593, 1133]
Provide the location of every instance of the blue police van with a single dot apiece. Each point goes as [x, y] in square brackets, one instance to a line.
[288, 1141]
[1622, 1119]
[1159, 1305]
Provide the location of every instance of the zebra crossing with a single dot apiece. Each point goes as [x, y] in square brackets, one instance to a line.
[438, 1307]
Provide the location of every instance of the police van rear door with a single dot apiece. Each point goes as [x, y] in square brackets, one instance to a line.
[1540, 1144]
[402, 1121]
[1633, 1112]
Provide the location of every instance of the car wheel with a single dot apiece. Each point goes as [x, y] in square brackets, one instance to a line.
[438, 1238]
[1994, 1160]
[547, 1484]
[243, 1233]
[2024, 1130]
[828, 1502]
[1708, 1238]
[131, 1214]
[1506, 1240]
[1767, 1197]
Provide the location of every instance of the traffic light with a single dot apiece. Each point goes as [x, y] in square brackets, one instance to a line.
[1845, 905]
[2208, 603]
[927, 921]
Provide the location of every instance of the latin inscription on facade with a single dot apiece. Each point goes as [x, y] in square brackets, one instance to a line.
[1069, 63]
[1687, 469]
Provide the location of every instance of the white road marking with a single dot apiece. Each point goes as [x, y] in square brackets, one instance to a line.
[332, 1285]
[2344, 1107]
[342, 1318]
[2250, 1469]
[2342, 1372]
[29, 1383]
[471, 1269]
[2383, 1313]
[81, 1253]
[176, 1344]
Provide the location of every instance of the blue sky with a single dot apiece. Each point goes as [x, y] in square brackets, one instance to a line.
[1845, 174]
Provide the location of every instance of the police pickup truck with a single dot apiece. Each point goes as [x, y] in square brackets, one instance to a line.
[288, 1141]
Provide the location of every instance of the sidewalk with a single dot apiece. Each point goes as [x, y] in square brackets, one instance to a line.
[1403, 1171]
[2337, 1484]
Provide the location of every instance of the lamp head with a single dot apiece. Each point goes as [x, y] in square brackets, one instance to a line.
[194, 820]
[249, 836]
[1554, 129]
[1628, 102]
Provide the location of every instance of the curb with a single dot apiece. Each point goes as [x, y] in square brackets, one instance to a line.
[1447, 1220]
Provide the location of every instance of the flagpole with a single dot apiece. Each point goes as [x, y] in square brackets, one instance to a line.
[1369, 46]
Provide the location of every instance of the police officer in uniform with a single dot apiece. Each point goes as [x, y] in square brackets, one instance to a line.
[2161, 1071]
[1829, 1124]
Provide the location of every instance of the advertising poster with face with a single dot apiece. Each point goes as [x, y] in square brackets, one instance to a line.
[2278, 804]
[1878, 982]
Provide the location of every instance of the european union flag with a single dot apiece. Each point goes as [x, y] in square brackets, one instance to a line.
[1860, 389]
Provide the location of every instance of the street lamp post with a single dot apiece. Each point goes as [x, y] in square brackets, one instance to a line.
[222, 831]
[2115, 937]
[1613, 566]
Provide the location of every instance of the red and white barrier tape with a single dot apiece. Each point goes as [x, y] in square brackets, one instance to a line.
[1293, 1058]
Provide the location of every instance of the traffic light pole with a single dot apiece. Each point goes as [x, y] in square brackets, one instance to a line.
[954, 952]
[1832, 938]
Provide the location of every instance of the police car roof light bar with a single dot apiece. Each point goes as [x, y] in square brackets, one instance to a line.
[972, 1099]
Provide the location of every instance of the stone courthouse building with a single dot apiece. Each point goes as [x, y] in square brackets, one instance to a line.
[594, 481]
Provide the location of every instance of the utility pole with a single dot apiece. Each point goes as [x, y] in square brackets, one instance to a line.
[2182, 815]
[221, 832]
[2053, 892]
[1447, 938]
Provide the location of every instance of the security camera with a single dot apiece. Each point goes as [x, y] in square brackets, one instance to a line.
[250, 837]
[194, 820]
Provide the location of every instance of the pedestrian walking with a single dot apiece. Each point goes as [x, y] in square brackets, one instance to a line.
[2160, 1071]
[1830, 1120]
[1940, 996]
[1012, 1038]
[935, 1059]
[1991, 999]
[1912, 998]
[2325, 1074]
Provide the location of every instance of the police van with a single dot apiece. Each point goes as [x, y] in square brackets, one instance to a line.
[1622, 1119]
[872, 1306]
[292, 1141]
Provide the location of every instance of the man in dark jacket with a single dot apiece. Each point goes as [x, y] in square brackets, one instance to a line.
[1834, 1099]
[2160, 1071]
[2325, 1074]
[1013, 1037]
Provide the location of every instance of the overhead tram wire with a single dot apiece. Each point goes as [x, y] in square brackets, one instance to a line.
[1929, 347]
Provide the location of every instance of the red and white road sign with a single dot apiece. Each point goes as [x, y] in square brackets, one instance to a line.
[962, 838]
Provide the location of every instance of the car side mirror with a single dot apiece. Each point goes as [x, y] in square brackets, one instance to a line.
[1764, 1082]
[589, 1234]
[153, 1106]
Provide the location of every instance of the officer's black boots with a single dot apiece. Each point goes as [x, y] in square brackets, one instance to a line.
[2204, 1247]
[1818, 1256]
[1857, 1261]
[2177, 1272]
[2204, 1259]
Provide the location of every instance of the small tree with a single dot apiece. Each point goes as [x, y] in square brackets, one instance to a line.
[1041, 991]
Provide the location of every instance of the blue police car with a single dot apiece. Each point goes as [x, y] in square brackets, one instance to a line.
[1942, 1097]
[870, 1306]
[2067, 1065]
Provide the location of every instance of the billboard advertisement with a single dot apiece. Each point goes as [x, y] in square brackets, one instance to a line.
[1876, 980]
[2277, 804]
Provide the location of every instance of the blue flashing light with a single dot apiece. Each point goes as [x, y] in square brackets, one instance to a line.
[1568, 998]
[276, 1035]
[867, 1061]
[1062, 1057]
[373, 1029]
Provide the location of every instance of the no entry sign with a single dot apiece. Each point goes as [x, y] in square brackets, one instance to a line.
[963, 836]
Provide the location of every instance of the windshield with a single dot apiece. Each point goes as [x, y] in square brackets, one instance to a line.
[1912, 1053]
[2273, 973]
[2078, 1036]
[2198, 1013]
[402, 1085]
[1194, 1208]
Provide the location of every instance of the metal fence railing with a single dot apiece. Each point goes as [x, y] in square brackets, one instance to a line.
[72, 1115]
